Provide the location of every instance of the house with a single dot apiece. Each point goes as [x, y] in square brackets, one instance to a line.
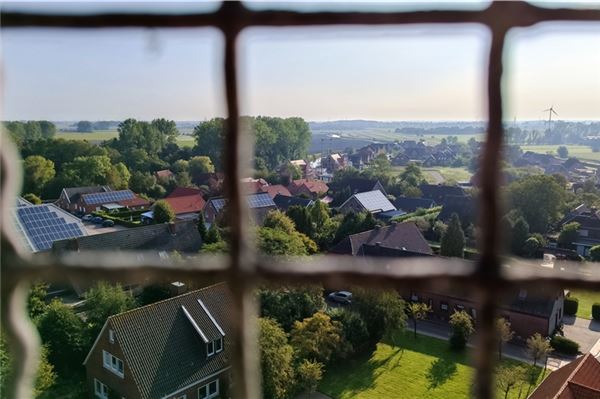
[283, 202]
[93, 201]
[259, 204]
[305, 168]
[528, 311]
[164, 175]
[39, 226]
[439, 192]
[359, 185]
[185, 207]
[405, 237]
[400, 159]
[176, 348]
[250, 185]
[372, 201]
[308, 188]
[588, 234]
[276, 189]
[579, 379]
[464, 206]
[410, 205]
[212, 181]
[69, 197]
[333, 162]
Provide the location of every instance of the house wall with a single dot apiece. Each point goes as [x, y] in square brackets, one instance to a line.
[192, 392]
[351, 206]
[124, 387]
[210, 213]
[63, 202]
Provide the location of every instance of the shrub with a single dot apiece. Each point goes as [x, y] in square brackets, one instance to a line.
[564, 345]
[596, 311]
[571, 306]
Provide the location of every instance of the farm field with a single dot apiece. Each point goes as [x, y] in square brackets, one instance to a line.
[435, 175]
[390, 135]
[421, 368]
[586, 300]
[103, 135]
[583, 152]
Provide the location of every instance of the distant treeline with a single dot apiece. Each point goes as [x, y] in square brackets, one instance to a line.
[30, 131]
[450, 130]
[561, 133]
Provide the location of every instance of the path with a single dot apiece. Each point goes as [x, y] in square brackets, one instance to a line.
[436, 176]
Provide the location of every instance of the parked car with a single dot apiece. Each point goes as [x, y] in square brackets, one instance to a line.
[108, 223]
[97, 220]
[343, 297]
[87, 218]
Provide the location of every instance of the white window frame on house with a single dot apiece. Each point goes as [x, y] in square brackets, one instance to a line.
[444, 306]
[211, 351]
[111, 336]
[184, 396]
[220, 345]
[204, 390]
[112, 363]
[102, 392]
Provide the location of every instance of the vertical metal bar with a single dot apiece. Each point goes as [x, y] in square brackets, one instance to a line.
[488, 270]
[245, 361]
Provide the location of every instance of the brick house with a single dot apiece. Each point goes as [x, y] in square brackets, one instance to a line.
[173, 349]
[308, 188]
[258, 203]
[70, 196]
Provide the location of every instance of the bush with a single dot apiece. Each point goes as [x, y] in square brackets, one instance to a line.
[564, 345]
[596, 311]
[571, 306]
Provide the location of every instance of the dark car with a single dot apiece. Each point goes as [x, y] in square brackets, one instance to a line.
[108, 223]
[343, 297]
[97, 220]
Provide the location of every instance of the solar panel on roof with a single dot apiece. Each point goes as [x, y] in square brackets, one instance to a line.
[375, 201]
[44, 224]
[110, 196]
[259, 200]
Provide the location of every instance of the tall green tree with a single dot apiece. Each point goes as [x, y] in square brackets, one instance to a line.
[309, 374]
[213, 236]
[167, 128]
[568, 234]
[462, 329]
[290, 303]
[503, 333]
[538, 347]
[118, 177]
[88, 170]
[163, 212]
[316, 338]
[539, 198]
[104, 300]
[519, 234]
[209, 137]
[382, 311]
[276, 360]
[45, 377]
[199, 165]
[508, 377]
[85, 127]
[453, 240]
[562, 151]
[37, 172]
[202, 230]
[36, 302]
[417, 311]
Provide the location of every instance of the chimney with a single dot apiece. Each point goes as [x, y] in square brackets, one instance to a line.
[172, 228]
[177, 288]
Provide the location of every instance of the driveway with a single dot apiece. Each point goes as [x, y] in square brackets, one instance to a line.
[585, 332]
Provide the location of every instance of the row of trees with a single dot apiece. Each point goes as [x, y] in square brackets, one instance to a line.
[30, 131]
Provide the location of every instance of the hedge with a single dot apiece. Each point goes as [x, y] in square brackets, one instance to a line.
[564, 345]
[117, 220]
[571, 305]
[596, 311]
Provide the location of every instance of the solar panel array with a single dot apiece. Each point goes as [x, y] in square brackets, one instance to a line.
[44, 224]
[259, 200]
[219, 203]
[375, 201]
[110, 196]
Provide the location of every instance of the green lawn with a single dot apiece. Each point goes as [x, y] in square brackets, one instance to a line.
[422, 368]
[448, 173]
[103, 135]
[579, 151]
[586, 300]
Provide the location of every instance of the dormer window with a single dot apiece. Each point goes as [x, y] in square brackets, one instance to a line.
[219, 345]
[210, 348]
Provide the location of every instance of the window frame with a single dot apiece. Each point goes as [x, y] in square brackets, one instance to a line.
[111, 363]
[206, 388]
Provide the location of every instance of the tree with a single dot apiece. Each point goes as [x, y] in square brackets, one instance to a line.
[37, 172]
[276, 358]
[316, 338]
[289, 304]
[34, 199]
[417, 311]
[104, 300]
[163, 212]
[519, 234]
[353, 223]
[278, 242]
[213, 236]
[202, 230]
[382, 311]
[462, 328]
[309, 374]
[354, 329]
[453, 240]
[381, 165]
[504, 333]
[88, 170]
[214, 248]
[85, 126]
[45, 377]
[209, 137]
[278, 220]
[48, 129]
[36, 302]
[153, 293]
[64, 334]
[562, 151]
[118, 177]
[508, 377]
[531, 247]
[301, 218]
[539, 198]
[568, 234]
[595, 253]
[200, 165]
[538, 347]
[167, 128]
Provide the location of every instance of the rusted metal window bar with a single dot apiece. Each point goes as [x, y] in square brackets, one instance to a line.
[243, 269]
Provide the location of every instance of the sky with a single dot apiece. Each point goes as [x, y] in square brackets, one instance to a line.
[420, 72]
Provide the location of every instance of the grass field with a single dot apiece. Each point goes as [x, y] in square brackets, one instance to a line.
[447, 174]
[422, 368]
[586, 300]
[577, 151]
[103, 135]
[390, 135]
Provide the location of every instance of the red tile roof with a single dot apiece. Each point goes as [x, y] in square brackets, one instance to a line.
[276, 189]
[314, 186]
[137, 201]
[184, 191]
[579, 379]
[164, 174]
[186, 204]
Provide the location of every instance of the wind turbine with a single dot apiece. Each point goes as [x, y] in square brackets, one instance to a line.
[550, 112]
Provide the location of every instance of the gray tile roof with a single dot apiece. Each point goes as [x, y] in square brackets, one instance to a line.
[74, 192]
[162, 348]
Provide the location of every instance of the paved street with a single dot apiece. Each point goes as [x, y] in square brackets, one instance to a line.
[585, 332]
